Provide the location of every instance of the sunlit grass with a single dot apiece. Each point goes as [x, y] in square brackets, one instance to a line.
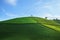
[53, 27]
[29, 28]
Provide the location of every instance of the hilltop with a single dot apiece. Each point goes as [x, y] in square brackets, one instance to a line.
[29, 28]
[53, 24]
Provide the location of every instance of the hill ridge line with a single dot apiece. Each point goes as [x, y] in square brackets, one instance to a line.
[49, 26]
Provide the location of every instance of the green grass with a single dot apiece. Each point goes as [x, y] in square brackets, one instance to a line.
[29, 28]
[49, 23]
[21, 20]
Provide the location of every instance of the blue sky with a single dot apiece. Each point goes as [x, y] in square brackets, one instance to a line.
[20, 8]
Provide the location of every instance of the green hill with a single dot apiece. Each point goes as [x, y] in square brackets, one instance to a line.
[58, 21]
[29, 28]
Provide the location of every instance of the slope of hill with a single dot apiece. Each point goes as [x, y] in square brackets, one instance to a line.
[21, 20]
[49, 23]
[58, 21]
[29, 28]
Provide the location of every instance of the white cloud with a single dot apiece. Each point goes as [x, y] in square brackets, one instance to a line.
[50, 16]
[46, 15]
[11, 15]
[49, 9]
[11, 2]
[8, 15]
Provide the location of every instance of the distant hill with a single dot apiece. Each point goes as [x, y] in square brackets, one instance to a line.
[29, 28]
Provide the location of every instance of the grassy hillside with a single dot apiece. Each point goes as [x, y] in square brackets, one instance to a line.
[58, 21]
[21, 20]
[49, 23]
[29, 28]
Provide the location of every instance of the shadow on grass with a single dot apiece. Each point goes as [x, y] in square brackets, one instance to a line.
[33, 31]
